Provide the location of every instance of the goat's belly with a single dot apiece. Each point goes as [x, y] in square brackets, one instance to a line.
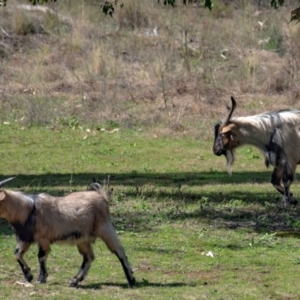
[74, 238]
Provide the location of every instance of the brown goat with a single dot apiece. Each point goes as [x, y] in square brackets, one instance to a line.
[78, 218]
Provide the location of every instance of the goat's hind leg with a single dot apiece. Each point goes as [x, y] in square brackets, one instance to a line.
[86, 250]
[284, 174]
[108, 234]
[288, 177]
[20, 250]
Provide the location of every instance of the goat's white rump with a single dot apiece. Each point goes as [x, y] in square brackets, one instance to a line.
[78, 218]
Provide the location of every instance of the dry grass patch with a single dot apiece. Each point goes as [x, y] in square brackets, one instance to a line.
[149, 64]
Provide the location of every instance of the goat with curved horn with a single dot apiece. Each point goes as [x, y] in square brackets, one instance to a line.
[3, 182]
[276, 134]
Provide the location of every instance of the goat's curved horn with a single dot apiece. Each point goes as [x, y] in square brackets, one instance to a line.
[6, 181]
[233, 106]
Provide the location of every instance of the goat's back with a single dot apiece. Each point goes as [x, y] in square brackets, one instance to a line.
[281, 128]
[72, 217]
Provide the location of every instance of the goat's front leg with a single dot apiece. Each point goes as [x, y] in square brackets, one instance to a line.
[277, 176]
[86, 250]
[42, 256]
[281, 173]
[20, 250]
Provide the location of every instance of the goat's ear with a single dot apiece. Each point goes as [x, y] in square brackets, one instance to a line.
[230, 127]
[2, 195]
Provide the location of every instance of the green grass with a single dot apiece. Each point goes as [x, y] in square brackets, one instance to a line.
[173, 204]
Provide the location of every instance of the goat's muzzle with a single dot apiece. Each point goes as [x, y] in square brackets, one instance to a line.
[218, 147]
[218, 151]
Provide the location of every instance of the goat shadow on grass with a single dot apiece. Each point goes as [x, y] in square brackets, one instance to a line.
[138, 284]
[137, 179]
[235, 211]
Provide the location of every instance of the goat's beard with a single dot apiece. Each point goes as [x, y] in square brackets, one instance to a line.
[230, 161]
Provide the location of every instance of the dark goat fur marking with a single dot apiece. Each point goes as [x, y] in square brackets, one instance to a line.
[85, 260]
[274, 151]
[218, 139]
[26, 272]
[43, 272]
[41, 253]
[25, 232]
[130, 280]
[73, 235]
[217, 127]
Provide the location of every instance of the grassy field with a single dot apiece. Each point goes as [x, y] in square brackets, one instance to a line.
[190, 231]
[135, 97]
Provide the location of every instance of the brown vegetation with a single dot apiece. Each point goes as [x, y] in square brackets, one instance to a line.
[148, 65]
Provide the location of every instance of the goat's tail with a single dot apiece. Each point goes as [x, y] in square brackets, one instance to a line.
[104, 190]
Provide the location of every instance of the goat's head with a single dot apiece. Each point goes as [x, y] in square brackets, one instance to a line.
[226, 137]
[3, 196]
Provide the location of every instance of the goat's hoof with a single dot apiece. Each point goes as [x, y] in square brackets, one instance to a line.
[73, 283]
[285, 201]
[42, 278]
[293, 201]
[131, 281]
[28, 277]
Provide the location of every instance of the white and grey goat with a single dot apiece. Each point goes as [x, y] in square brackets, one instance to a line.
[276, 134]
[77, 218]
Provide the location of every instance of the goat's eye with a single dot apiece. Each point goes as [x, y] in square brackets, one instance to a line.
[222, 135]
